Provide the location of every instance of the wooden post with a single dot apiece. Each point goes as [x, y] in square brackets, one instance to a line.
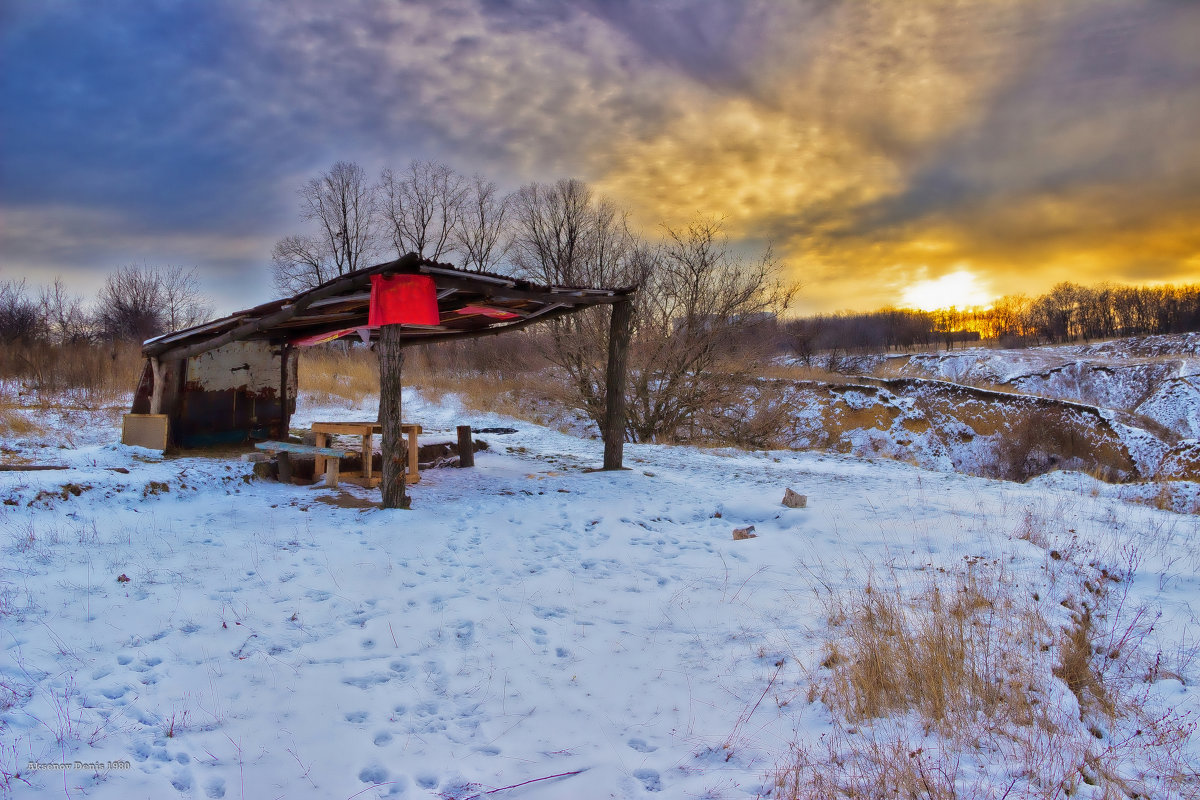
[614, 384]
[156, 393]
[391, 360]
[285, 416]
[466, 448]
[284, 459]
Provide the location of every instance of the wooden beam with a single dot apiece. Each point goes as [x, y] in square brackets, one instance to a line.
[349, 298]
[391, 363]
[620, 328]
[503, 290]
[549, 313]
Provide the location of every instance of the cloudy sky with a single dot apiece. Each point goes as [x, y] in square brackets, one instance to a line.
[892, 151]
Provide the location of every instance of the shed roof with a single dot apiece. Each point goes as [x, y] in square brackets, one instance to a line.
[469, 304]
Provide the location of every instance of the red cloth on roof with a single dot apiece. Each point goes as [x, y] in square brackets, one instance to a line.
[487, 311]
[402, 300]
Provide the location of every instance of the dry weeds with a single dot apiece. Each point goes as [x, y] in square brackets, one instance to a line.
[14, 423]
[80, 375]
[926, 691]
[513, 381]
[330, 375]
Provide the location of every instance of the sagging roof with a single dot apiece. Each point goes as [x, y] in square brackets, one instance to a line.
[469, 304]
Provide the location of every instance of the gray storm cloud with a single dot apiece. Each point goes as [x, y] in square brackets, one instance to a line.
[876, 143]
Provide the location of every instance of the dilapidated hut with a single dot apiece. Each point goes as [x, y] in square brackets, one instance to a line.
[234, 379]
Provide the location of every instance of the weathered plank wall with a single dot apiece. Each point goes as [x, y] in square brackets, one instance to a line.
[223, 396]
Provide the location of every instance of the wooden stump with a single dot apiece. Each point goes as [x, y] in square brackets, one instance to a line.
[391, 362]
[466, 448]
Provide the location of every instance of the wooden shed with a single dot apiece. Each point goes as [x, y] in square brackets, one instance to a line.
[234, 379]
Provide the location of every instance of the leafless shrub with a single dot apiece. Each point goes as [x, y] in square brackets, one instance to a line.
[19, 317]
[705, 326]
[139, 302]
[1037, 442]
[64, 317]
[761, 421]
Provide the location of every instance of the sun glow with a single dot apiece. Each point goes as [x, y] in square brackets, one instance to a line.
[959, 289]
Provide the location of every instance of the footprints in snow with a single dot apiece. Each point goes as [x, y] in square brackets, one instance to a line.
[650, 779]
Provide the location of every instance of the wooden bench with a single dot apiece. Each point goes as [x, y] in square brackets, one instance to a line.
[367, 430]
[328, 457]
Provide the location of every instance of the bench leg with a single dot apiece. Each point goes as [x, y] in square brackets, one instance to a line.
[320, 440]
[331, 473]
[414, 474]
[285, 467]
[366, 458]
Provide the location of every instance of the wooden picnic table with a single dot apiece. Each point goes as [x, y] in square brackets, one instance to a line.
[366, 430]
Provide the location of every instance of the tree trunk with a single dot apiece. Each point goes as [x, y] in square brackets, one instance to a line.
[391, 360]
[614, 380]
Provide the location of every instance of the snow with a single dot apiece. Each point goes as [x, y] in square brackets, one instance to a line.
[528, 618]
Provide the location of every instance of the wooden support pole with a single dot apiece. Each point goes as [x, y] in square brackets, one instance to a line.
[391, 361]
[466, 448]
[285, 415]
[158, 370]
[620, 329]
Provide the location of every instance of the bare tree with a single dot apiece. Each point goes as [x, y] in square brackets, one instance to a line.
[63, 313]
[20, 319]
[563, 235]
[479, 236]
[140, 302]
[341, 205]
[421, 207]
[183, 303]
[706, 320]
[301, 262]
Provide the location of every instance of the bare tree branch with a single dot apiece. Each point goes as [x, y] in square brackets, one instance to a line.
[421, 208]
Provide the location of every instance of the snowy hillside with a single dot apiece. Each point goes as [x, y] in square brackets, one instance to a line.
[1156, 376]
[528, 619]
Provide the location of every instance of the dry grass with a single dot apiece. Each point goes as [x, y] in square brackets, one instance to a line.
[799, 372]
[75, 375]
[972, 671]
[484, 376]
[926, 654]
[14, 423]
[517, 391]
[329, 375]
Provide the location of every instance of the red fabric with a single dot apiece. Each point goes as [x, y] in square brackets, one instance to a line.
[494, 313]
[321, 338]
[403, 300]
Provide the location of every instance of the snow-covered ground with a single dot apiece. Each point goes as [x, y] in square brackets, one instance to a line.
[527, 619]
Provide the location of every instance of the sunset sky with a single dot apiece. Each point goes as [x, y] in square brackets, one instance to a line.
[913, 152]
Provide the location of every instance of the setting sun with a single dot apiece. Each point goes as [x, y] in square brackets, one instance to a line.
[959, 289]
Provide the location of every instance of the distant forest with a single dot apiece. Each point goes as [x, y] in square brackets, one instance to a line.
[1067, 313]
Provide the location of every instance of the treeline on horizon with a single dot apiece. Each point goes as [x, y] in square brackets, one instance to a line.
[1067, 313]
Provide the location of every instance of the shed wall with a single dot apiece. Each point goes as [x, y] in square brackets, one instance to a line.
[224, 396]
